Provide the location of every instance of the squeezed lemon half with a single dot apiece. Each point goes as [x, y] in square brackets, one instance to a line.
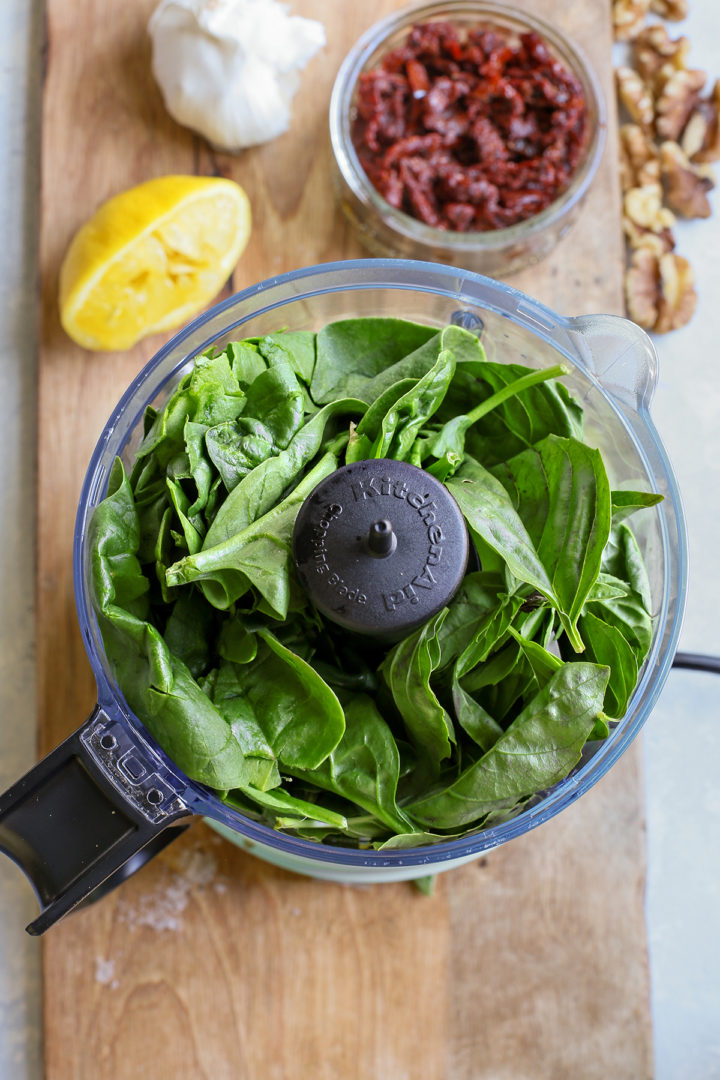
[151, 258]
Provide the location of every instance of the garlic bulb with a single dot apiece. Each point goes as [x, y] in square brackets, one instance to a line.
[229, 68]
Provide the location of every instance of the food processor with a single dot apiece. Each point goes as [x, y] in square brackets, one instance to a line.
[108, 798]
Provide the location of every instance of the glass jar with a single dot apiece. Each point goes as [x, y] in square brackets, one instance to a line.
[382, 228]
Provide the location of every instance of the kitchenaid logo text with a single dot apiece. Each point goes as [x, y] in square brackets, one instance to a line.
[427, 512]
[320, 553]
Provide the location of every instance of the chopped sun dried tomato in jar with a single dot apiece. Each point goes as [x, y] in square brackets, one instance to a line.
[470, 133]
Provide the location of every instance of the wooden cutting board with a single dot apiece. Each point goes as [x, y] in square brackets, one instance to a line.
[528, 964]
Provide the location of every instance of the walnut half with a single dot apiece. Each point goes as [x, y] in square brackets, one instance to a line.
[686, 185]
[643, 205]
[639, 161]
[673, 10]
[701, 137]
[677, 101]
[635, 96]
[660, 291]
[629, 18]
[656, 55]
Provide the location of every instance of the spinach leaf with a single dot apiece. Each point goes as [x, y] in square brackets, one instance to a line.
[407, 415]
[245, 362]
[259, 491]
[275, 401]
[200, 468]
[156, 684]
[189, 632]
[297, 345]
[297, 712]
[407, 670]
[365, 765]
[352, 351]
[256, 555]
[367, 431]
[235, 452]
[490, 513]
[279, 801]
[539, 748]
[209, 395]
[246, 686]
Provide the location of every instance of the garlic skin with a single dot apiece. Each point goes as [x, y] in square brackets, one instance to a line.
[229, 69]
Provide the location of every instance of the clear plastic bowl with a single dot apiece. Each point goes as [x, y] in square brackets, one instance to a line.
[613, 375]
[387, 231]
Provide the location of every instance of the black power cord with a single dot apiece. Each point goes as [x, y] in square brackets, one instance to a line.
[697, 662]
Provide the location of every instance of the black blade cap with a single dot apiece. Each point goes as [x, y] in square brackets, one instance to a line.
[380, 547]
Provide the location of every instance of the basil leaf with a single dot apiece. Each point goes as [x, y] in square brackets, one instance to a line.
[605, 644]
[625, 503]
[561, 492]
[518, 423]
[623, 560]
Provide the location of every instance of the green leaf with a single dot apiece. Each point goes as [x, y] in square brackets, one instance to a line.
[368, 430]
[476, 599]
[407, 415]
[189, 632]
[209, 395]
[260, 490]
[364, 766]
[625, 503]
[561, 492]
[229, 698]
[604, 644]
[473, 718]
[300, 716]
[298, 346]
[622, 559]
[281, 802]
[351, 352]
[489, 512]
[539, 748]
[407, 669]
[257, 555]
[516, 424]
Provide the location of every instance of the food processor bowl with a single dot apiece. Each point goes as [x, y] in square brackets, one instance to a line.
[109, 797]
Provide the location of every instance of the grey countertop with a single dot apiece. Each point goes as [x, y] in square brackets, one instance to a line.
[682, 738]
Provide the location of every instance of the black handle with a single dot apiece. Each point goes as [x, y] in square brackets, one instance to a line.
[88, 815]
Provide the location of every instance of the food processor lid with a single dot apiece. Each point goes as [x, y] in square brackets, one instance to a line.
[380, 546]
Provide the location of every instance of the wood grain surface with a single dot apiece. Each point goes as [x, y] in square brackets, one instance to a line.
[528, 964]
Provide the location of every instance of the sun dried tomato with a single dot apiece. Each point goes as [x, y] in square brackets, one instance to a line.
[473, 132]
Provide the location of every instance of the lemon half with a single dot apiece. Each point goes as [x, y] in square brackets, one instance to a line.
[150, 258]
